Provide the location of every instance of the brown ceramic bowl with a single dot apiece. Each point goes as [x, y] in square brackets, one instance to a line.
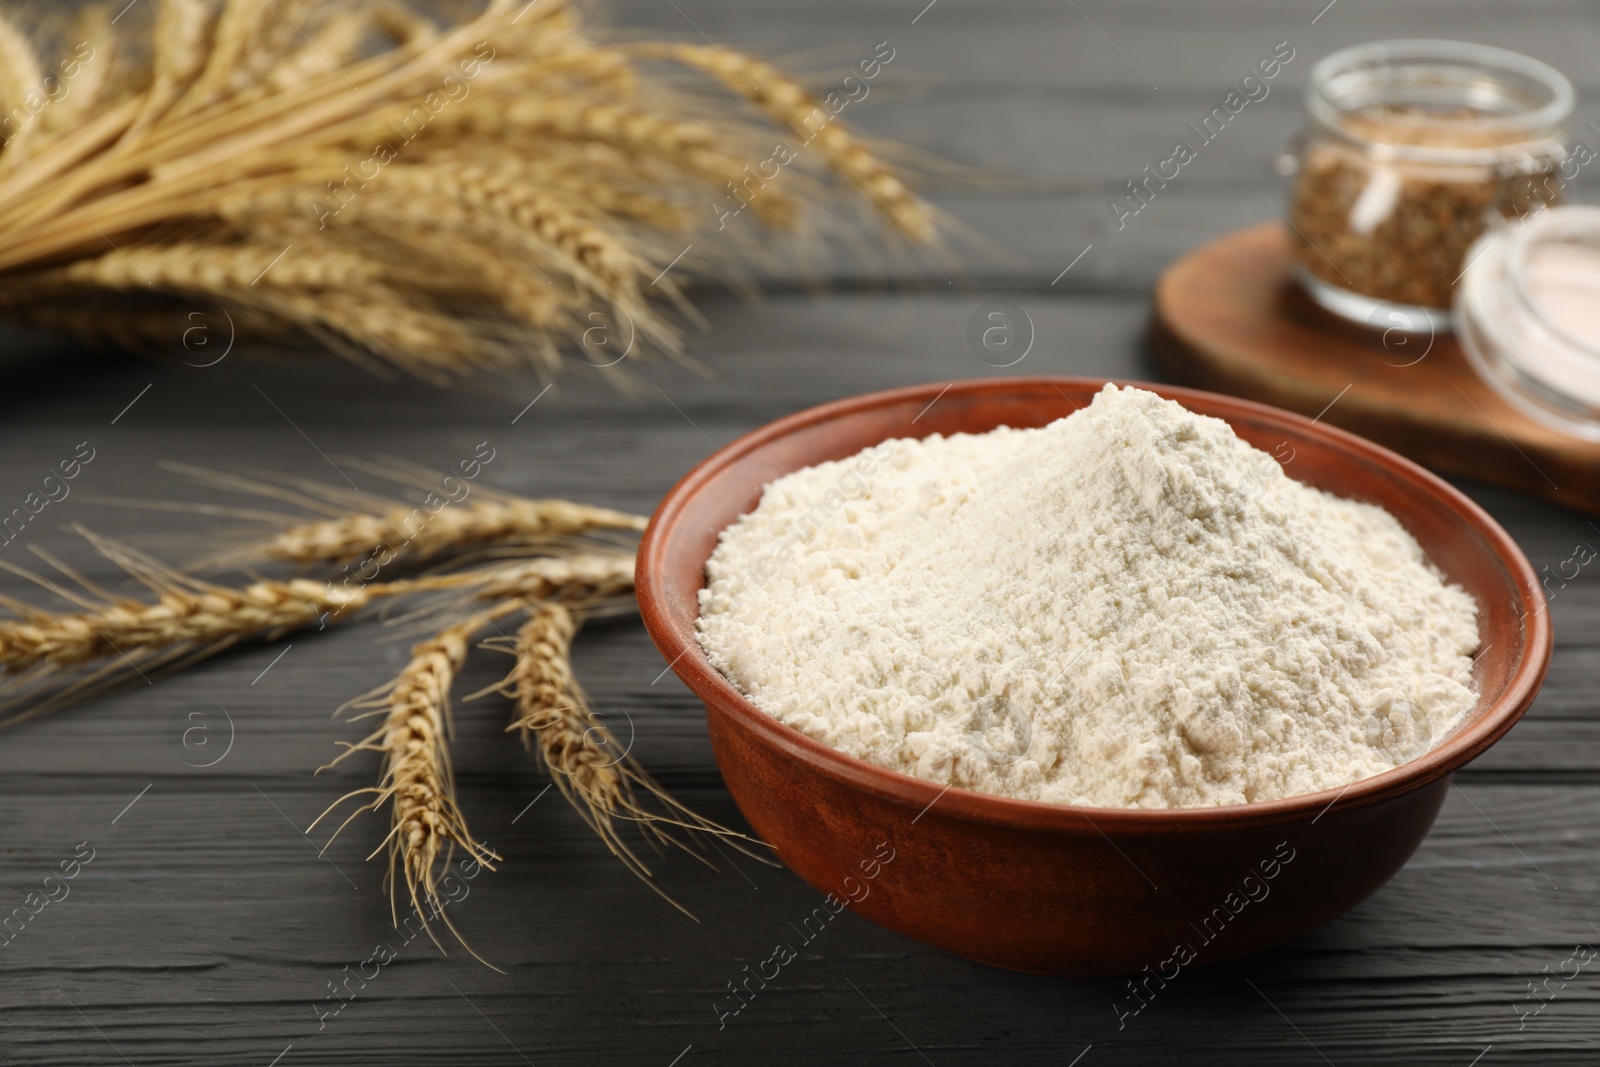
[1070, 890]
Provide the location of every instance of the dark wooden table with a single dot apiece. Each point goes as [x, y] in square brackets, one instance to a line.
[207, 930]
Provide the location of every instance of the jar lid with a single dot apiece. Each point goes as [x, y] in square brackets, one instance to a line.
[1527, 311]
[1438, 100]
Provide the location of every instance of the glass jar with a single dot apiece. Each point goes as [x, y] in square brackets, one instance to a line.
[1527, 313]
[1412, 149]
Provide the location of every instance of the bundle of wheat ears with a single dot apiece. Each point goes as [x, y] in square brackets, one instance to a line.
[520, 574]
[359, 176]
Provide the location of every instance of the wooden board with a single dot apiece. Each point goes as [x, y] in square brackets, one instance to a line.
[1229, 316]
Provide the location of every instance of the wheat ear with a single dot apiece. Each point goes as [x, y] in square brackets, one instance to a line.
[391, 534]
[183, 31]
[236, 25]
[20, 77]
[91, 29]
[186, 614]
[192, 619]
[595, 774]
[348, 526]
[787, 103]
[416, 781]
[190, 614]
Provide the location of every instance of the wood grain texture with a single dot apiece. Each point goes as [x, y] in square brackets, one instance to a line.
[206, 929]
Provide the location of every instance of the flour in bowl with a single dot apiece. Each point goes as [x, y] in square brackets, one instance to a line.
[1129, 607]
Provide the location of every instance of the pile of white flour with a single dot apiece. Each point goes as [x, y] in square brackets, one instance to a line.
[1130, 607]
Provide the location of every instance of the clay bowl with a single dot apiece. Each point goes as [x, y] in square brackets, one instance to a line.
[1067, 890]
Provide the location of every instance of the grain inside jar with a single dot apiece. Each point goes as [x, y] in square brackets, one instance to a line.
[1414, 149]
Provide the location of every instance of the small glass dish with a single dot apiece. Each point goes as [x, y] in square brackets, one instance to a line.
[1527, 313]
[1413, 148]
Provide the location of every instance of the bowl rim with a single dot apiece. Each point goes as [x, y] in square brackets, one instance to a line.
[679, 646]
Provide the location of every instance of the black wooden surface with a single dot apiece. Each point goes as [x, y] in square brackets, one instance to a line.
[206, 930]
